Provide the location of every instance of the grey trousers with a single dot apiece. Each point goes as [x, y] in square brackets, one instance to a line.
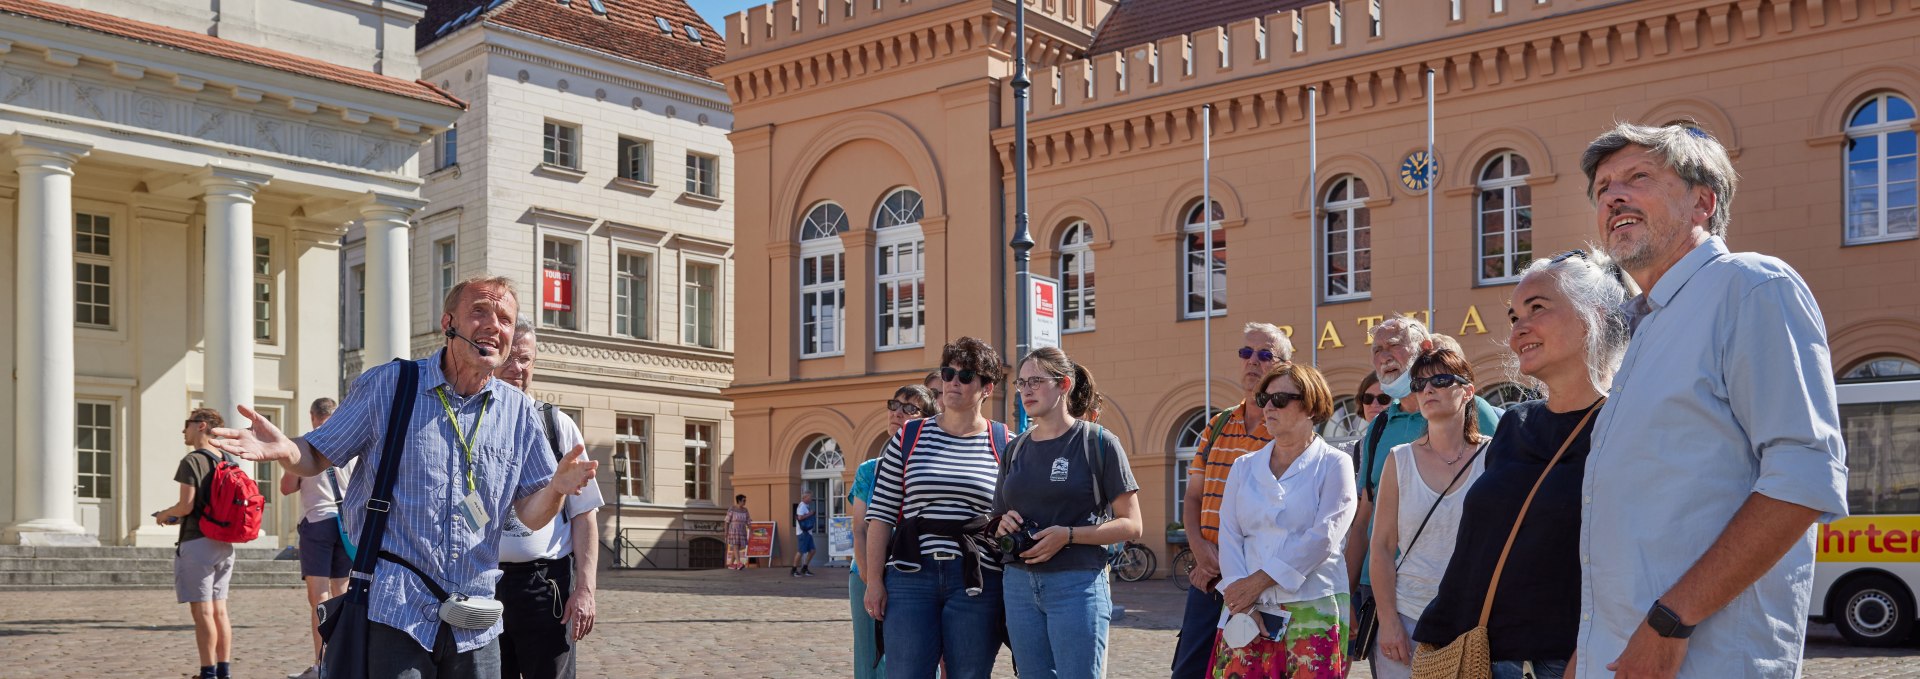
[393, 654]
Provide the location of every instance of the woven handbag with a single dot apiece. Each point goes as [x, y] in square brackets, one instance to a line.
[1470, 656]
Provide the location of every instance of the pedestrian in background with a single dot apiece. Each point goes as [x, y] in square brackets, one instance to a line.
[202, 566]
[325, 556]
[738, 522]
[805, 519]
[1065, 492]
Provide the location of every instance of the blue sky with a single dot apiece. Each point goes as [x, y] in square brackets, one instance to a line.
[716, 11]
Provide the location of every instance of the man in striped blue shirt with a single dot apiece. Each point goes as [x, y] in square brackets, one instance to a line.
[475, 451]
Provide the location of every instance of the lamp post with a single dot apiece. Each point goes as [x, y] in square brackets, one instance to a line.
[1022, 241]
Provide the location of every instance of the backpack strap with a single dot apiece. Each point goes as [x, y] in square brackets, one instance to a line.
[997, 436]
[1213, 432]
[1372, 444]
[380, 502]
[550, 422]
[911, 435]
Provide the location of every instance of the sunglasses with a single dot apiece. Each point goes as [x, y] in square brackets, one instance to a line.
[902, 407]
[1570, 254]
[963, 376]
[195, 421]
[1375, 399]
[1034, 382]
[1440, 381]
[1266, 355]
[1273, 400]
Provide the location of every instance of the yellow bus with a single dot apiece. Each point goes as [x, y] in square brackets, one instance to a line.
[1868, 567]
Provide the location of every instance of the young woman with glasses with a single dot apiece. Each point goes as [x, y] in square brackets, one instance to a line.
[1422, 488]
[1065, 492]
[938, 595]
[911, 402]
[1283, 575]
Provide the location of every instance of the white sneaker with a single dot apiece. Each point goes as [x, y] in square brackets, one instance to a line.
[312, 672]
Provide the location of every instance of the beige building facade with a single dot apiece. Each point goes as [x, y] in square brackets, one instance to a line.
[837, 111]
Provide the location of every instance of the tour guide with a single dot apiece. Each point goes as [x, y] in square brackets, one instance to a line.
[475, 450]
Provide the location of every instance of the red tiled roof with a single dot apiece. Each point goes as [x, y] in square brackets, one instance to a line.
[188, 41]
[627, 29]
[1136, 22]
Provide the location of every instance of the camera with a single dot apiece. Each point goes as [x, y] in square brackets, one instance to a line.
[1014, 543]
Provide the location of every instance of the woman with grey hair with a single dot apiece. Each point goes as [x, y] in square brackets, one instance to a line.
[1568, 335]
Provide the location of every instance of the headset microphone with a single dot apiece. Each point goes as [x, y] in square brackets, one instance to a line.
[484, 351]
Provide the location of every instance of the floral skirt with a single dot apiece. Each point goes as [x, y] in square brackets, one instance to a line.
[1315, 646]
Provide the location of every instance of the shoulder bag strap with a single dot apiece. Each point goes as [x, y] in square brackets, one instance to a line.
[1486, 609]
[1213, 432]
[1374, 432]
[911, 435]
[380, 502]
[1436, 502]
[551, 423]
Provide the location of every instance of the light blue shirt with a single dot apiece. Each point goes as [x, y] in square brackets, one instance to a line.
[425, 528]
[1726, 391]
[863, 491]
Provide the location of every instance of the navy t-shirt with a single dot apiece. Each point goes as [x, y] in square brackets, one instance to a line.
[1051, 483]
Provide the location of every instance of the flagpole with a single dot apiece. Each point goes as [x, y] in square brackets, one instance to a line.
[1431, 166]
[1313, 222]
[1206, 211]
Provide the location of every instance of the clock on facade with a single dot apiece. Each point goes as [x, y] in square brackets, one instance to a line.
[1416, 172]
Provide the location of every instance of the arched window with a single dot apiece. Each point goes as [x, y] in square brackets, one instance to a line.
[1076, 277]
[1506, 218]
[1883, 366]
[1349, 241]
[1195, 267]
[1881, 172]
[900, 271]
[823, 281]
[823, 459]
[1186, 445]
[1348, 421]
[1505, 394]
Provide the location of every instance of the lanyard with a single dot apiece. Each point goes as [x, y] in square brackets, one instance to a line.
[466, 444]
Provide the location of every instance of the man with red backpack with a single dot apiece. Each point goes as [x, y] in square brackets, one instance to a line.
[202, 565]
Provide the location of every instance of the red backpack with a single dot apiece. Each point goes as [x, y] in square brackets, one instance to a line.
[233, 504]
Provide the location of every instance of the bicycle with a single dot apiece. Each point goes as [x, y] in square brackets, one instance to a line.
[1133, 563]
[1182, 569]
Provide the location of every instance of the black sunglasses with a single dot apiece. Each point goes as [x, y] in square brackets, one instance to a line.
[1564, 256]
[1440, 381]
[1375, 399]
[196, 421]
[1266, 355]
[1275, 400]
[964, 376]
[899, 407]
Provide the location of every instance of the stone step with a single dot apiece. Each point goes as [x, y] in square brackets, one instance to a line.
[20, 552]
[95, 579]
[17, 565]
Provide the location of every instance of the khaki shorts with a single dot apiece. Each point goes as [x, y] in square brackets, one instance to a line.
[201, 569]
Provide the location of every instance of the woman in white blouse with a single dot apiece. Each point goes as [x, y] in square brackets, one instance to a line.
[1282, 525]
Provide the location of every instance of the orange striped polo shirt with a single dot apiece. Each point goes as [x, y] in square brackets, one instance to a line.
[1210, 467]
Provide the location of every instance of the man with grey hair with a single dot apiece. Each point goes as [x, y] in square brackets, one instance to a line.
[1397, 341]
[548, 575]
[1721, 446]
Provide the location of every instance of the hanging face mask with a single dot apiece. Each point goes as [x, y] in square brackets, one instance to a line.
[1401, 386]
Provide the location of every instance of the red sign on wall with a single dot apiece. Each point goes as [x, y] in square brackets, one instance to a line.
[556, 290]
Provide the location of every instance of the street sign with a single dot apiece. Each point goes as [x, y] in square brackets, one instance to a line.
[1043, 311]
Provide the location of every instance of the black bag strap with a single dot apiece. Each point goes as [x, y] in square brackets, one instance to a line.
[380, 502]
[434, 587]
[550, 422]
[1437, 501]
[1372, 443]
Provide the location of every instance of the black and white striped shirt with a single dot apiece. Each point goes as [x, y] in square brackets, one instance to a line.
[948, 477]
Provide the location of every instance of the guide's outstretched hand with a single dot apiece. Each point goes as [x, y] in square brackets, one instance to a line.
[261, 442]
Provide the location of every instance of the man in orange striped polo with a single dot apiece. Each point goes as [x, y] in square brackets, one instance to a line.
[1230, 434]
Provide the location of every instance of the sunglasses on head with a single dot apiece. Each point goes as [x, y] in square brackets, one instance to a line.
[1275, 400]
[1266, 355]
[1570, 254]
[903, 407]
[1376, 399]
[963, 376]
[1440, 381]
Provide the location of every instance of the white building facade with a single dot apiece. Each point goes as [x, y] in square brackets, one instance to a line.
[594, 169]
[172, 206]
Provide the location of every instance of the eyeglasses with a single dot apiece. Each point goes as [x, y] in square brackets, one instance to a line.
[1375, 399]
[1275, 400]
[902, 407]
[1564, 256]
[1266, 355]
[1030, 383]
[963, 376]
[1440, 381]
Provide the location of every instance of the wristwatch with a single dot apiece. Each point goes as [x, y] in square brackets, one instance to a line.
[1667, 623]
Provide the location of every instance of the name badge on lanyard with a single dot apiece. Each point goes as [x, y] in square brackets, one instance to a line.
[473, 513]
[471, 509]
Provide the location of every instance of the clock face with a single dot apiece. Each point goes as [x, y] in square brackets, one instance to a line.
[1416, 172]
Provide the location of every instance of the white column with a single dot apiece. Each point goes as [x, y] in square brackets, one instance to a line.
[45, 468]
[228, 307]
[388, 318]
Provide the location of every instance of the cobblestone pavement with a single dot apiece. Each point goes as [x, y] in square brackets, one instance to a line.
[758, 623]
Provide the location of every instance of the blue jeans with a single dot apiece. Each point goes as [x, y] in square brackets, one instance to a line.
[1193, 654]
[1057, 622]
[867, 663]
[1542, 669]
[930, 617]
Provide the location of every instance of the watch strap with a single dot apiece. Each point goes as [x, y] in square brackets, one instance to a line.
[1667, 623]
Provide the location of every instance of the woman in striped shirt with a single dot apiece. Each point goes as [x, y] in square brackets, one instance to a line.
[939, 595]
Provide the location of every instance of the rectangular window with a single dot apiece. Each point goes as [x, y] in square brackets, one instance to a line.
[1453, 9]
[92, 270]
[562, 145]
[699, 300]
[630, 459]
[703, 177]
[1198, 272]
[93, 430]
[1884, 473]
[699, 461]
[445, 268]
[447, 149]
[823, 290]
[262, 289]
[1373, 17]
[636, 160]
[899, 274]
[559, 276]
[1337, 23]
[356, 321]
[631, 276]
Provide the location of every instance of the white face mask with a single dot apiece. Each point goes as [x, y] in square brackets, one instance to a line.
[1400, 387]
